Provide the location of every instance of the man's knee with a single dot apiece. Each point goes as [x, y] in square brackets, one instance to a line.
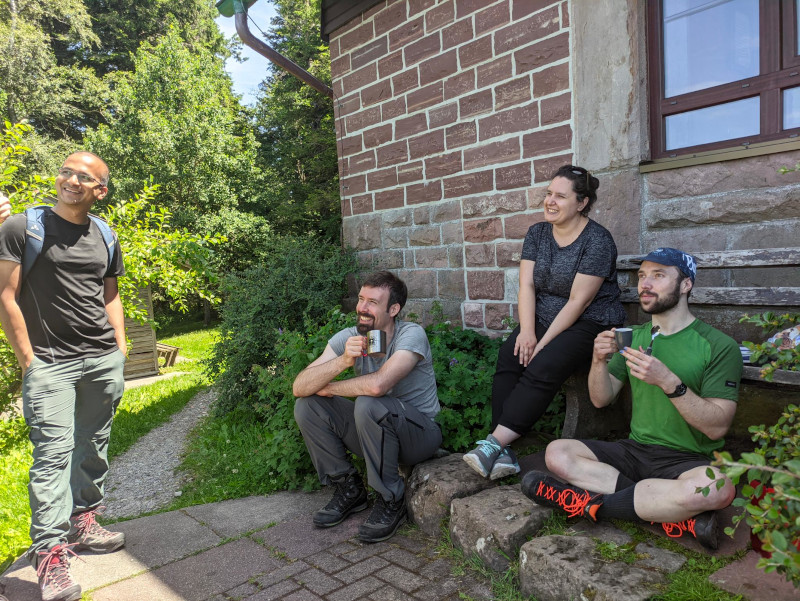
[369, 409]
[304, 410]
[715, 498]
[560, 455]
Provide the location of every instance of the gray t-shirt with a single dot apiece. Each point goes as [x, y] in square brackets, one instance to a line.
[592, 253]
[418, 388]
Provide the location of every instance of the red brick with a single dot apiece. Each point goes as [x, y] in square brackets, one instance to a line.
[514, 176]
[439, 16]
[475, 52]
[377, 135]
[333, 49]
[392, 154]
[556, 109]
[508, 253]
[522, 8]
[361, 162]
[446, 164]
[541, 54]
[422, 49]
[389, 199]
[479, 255]
[390, 18]
[465, 7]
[417, 6]
[405, 81]
[358, 37]
[349, 26]
[377, 93]
[426, 144]
[443, 115]
[340, 66]
[480, 102]
[431, 258]
[468, 183]
[410, 126]
[349, 104]
[393, 108]
[536, 197]
[496, 314]
[461, 134]
[391, 64]
[350, 145]
[368, 14]
[351, 186]
[564, 15]
[438, 68]
[552, 80]
[363, 119]
[457, 34]
[524, 32]
[517, 226]
[547, 141]
[543, 169]
[362, 204]
[491, 18]
[371, 52]
[522, 118]
[359, 79]
[473, 315]
[492, 153]
[406, 33]
[446, 211]
[410, 172]
[460, 84]
[425, 192]
[498, 70]
[425, 97]
[338, 88]
[495, 204]
[514, 92]
[384, 178]
[347, 210]
[482, 230]
[488, 285]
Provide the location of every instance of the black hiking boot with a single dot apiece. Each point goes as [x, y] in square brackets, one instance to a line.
[350, 497]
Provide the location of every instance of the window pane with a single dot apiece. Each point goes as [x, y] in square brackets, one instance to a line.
[714, 124]
[791, 108]
[708, 43]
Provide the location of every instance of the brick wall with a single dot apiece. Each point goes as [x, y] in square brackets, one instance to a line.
[450, 117]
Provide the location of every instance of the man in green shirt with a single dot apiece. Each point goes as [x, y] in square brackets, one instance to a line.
[684, 378]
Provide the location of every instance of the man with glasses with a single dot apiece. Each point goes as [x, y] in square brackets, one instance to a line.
[65, 322]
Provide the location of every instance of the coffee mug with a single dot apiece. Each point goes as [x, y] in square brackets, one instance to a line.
[376, 343]
[624, 337]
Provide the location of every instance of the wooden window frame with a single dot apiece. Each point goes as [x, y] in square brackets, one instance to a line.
[779, 69]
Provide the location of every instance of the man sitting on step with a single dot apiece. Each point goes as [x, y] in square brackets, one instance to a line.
[684, 378]
[391, 420]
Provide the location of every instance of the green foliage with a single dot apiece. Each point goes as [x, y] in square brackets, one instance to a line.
[299, 280]
[15, 513]
[248, 238]
[771, 492]
[767, 354]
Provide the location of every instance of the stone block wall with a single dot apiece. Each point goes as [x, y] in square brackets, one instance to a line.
[451, 115]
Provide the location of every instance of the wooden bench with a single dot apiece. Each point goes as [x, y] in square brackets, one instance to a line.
[728, 285]
[168, 353]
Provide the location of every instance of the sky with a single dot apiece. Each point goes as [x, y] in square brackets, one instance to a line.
[247, 75]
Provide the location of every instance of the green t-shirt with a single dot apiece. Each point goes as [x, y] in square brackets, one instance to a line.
[706, 360]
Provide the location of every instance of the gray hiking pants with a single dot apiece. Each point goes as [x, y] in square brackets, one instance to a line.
[383, 430]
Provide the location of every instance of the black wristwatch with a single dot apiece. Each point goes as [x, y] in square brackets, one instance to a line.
[680, 390]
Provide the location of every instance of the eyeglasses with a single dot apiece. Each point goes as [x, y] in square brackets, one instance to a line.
[83, 178]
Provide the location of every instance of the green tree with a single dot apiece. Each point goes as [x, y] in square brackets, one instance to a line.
[178, 124]
[295, 126]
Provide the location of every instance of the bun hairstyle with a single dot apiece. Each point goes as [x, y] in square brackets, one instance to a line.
[584, 184]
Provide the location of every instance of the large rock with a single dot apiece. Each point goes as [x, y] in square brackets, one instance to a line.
[433, 486]
[552, 568]
[495, 523]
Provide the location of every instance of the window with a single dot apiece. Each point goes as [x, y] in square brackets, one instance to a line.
[723, 73]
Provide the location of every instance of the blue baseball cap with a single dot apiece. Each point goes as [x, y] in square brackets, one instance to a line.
[686, 263]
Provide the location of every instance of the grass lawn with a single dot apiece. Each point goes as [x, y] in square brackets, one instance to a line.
[140, 410]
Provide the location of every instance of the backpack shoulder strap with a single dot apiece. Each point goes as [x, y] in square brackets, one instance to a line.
[109, 236]
[34, 237]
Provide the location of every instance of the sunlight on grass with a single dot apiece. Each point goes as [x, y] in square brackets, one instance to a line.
[15, 514]
[195, 346]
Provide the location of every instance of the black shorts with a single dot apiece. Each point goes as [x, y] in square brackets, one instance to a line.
[640, 461]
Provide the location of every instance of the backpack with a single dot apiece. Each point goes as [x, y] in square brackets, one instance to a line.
[34, 236]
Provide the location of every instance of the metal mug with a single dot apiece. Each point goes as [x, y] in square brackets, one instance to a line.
[376, 343]
[623, 337]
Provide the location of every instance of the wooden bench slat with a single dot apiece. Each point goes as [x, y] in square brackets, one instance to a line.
[780, 376]
[723, 259]
[772, 296]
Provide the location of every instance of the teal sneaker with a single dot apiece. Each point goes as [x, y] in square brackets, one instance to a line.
[482, 458]
[506, 465]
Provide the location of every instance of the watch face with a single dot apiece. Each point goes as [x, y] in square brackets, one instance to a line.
[680, 390]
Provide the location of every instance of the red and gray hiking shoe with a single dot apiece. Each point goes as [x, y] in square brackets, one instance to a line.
[545, 490]
[55, 579]
[87, 535]
[704, 527]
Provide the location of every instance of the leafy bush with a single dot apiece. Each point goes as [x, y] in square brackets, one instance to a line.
[299, 280]
[768, 354]
[771, 493]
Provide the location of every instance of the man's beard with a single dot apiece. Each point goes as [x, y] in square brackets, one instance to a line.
[363, 328]
[662, 305]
